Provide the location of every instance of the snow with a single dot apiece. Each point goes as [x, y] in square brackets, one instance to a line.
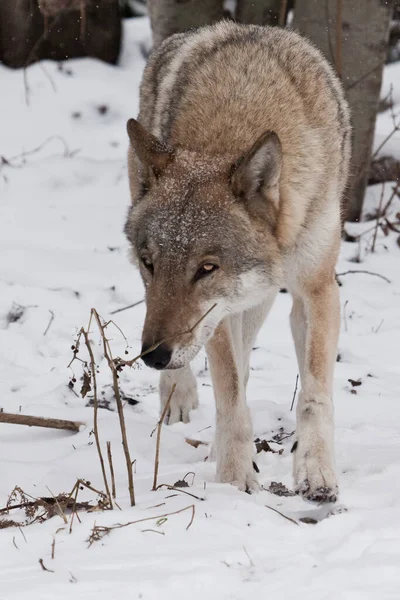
[62, 250]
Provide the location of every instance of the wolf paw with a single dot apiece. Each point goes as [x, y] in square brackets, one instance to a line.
[183, 400]
[180, 407]
[239, 475]
[314, 477]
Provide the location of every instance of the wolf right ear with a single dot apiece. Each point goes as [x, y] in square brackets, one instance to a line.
[259, 169]
[152, 153]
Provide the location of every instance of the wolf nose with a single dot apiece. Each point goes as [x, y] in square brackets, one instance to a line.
[157, 358]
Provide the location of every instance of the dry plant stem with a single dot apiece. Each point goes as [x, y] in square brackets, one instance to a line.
[53, 548]
[111, 364]
[95, 415]
[130, 363]
[74, 507]
[89, 487]
[339, 18]
[364, 273]
[110, 463]
[160, 423]
[114, 312]
[50, 322]
[178, 489]
[377, 218]
[282, 515]
[18, 419]
[294, 393]
[64, 518]
[385, 141]
[23, 155]
[106, 529]
[44, 568]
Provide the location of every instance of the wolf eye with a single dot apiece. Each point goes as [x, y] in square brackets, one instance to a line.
[148, 264]
[205, 270]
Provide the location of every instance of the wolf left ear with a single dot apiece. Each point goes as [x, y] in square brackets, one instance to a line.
[150, 151]
[259, 169]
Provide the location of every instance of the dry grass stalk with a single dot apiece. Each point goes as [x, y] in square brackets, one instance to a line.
[95, 413]
[99, 531]
[178, 489]
[295, 391]
[113, 367]
[110, 464]
[159, 426]
[282, 515]
[44, 568]
[364, 273]
[378, 218]
[76, 489]
[130, 363]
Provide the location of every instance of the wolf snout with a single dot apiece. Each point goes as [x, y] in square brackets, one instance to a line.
[158, 358]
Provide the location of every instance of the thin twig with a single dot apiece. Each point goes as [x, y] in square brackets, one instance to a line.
[378, 217]
[74, 506]
[113, 368]
[44, 568]
[95, 414]
[23, 155]
[53, 547]
[295, 391]
[387, 138]
[62, 514]
[282, 515]
[178, 489]
[50, 322]
[345, 314]
[99, 530]
[130, 363]
[114, 312]
[110, 464]
[160, 423]
[364, 273]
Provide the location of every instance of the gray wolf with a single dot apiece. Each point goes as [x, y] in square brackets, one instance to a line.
[237, 166]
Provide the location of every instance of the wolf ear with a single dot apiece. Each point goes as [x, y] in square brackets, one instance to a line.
[259, 169]
[150, 151]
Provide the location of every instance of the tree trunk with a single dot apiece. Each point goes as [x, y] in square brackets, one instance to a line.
[174, 16]
[28, 35]
[258, 12]
[358, 50]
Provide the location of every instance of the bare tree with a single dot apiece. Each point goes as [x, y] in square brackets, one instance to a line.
[258, 12]
[58, 29]
[173, 16]
[353, 35]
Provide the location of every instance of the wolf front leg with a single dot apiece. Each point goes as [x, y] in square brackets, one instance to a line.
[233, 445]
[185, 396]
[315, 325]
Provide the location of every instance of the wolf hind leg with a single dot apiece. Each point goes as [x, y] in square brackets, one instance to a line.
[184, 398]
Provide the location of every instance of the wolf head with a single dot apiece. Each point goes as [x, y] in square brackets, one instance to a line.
[202, 234]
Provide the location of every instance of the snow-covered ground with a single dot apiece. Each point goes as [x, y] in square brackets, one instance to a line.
[62, 251]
